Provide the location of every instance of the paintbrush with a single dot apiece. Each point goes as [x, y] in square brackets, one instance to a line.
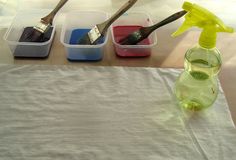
[100, 29]
[45, 23]
[144, 32]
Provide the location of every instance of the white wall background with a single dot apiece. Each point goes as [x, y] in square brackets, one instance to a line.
[158, 9]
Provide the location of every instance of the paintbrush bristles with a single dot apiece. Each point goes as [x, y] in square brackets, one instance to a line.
[91, 37]
[33, 36]
[131, 39]
[85, 40]
[36, 36]
[37, 32]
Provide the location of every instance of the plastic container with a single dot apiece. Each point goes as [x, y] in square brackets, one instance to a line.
[125, 25]
[27, 49]
[78, 23]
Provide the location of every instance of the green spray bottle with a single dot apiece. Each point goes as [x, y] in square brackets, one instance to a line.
[197, 87]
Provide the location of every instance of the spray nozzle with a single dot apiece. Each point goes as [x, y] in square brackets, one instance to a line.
[202, 18]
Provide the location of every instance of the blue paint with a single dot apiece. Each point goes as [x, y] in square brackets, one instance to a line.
[85, 52]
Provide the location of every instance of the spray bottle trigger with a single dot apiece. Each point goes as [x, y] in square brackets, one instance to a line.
[182, 29]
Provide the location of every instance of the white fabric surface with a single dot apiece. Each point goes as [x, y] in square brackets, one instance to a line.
[105, 113]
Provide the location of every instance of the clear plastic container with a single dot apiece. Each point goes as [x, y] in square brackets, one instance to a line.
[27, 49]
[125, 25]
[81, 21]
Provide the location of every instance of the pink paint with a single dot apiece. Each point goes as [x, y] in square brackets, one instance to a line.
[120, 32]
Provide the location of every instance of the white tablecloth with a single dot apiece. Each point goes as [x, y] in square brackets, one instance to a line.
[105, 113]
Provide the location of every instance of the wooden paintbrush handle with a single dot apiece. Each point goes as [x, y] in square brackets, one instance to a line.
[122, 10]
[49, 18]
[169, 19]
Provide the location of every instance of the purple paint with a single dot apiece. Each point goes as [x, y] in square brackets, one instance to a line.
[30, 50]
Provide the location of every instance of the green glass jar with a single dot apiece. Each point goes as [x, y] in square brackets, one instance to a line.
[197, 87]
